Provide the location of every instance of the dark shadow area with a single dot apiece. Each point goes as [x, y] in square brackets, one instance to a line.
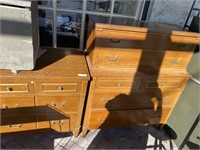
[14, 28]
[32, 123]
[53, 55]
[47, 114]
[152, 92]
[35, 139]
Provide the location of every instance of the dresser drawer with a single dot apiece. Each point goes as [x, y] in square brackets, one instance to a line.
[165, 59]
[58, 122]
[14, 88]
[150, 99]
[118, 84]
[125, 118]
[139, 40]
[17, 123]
[163, 83]
[51, 104]
[17, 106]
[58, 87]
[114, 58]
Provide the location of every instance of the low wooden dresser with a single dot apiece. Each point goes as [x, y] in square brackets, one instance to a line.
[50, 97]
[138, 71]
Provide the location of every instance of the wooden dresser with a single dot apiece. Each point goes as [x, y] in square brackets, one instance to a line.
[51, 97]
[138, 71]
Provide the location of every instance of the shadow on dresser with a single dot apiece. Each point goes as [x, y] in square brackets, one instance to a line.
[151, 103]
[35, 119]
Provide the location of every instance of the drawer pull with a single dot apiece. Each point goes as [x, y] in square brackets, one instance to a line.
[54, 104]
[173, 61]
[111, 59]
[103, 101]
[57, 124]
[4, 106]
[181, 45]
[17, 105]
[15, 126]
[115, 40]
[119, 84]
[60, 88]
[8, 89]
[163, 84]
[100, 120]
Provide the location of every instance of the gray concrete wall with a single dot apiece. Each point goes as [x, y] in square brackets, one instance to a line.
[170, 11]
[19, 37]
[23, 3]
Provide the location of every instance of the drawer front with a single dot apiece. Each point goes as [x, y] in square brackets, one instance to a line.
[17, 123]
[163, 83]
[52, 104]
[57, 122]
[124, 39]
[14, 88]
[123, 118]
[17, 106]
[58, 87]
[154, 99]
[118, 58]
[118, 84]
[167, 59]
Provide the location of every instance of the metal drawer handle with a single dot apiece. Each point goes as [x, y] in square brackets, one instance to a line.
[111, 59]
[8, 89]
[115, 40]
[119, 84]
[181, 45]
[166, 98]
[60, 88]
[15, 126]
[6, 107]
[163, 84]
[17, 105]
[54, 104]
[173, 61]
[103, 101]
[57, 124]
[100, 120]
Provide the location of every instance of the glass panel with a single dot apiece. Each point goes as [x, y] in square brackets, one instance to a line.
[70, 4]
[45, 27]
[47, 3]
[99, 5]
[68, 29]
[125, 7]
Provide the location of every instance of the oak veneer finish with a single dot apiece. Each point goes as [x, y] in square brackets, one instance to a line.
[138, 71]
[49, 97]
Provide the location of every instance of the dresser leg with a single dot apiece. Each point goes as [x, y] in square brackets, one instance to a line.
[76, 133]
[159, 126]
[84, 133]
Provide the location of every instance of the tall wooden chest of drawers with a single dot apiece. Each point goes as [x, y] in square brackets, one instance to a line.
[50, 97]
[138, 71]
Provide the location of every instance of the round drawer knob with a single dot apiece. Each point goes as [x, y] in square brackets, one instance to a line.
[9, 89]
[60, 88]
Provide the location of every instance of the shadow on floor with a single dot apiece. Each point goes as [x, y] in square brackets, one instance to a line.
[137, 137]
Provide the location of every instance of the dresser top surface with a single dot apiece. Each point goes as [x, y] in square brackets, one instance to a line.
[139, 26]
[56, 63]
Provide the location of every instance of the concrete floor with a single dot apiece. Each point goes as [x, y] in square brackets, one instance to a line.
[137, 137]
